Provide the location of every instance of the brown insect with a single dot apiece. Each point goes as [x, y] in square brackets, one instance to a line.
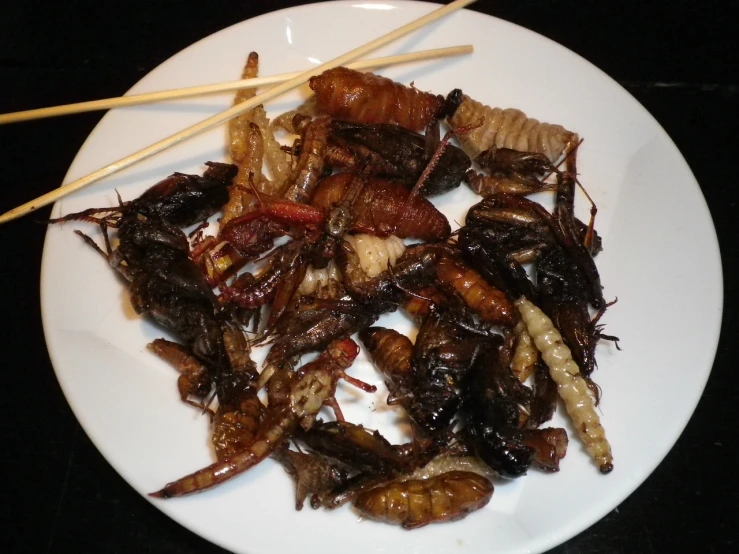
[308, 170]
[418, 502]
[194, 379]
[488, 302]
[384, 208]
[366, 98]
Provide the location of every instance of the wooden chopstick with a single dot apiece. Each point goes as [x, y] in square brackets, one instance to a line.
[231, 112]
[173, 94]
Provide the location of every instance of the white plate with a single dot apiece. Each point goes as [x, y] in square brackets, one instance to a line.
[652, 218]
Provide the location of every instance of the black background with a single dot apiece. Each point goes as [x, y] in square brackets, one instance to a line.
[677, 58]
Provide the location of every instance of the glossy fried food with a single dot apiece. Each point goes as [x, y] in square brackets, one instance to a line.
[320, 251]
[418, 502]
[385, 208]
[367, 98]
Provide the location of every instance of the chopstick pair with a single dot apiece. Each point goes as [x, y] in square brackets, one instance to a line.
[230, 86]
[236, 110]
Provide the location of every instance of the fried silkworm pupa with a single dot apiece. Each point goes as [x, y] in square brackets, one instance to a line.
[367, 98]
[391, 351]
[418, 502]
[419, 306]
[488, 302]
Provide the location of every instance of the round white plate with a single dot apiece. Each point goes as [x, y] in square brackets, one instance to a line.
[652, 217]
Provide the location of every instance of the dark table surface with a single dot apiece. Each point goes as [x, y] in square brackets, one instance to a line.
[678, 59]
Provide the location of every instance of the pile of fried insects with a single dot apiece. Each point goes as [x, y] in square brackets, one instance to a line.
[503, 304]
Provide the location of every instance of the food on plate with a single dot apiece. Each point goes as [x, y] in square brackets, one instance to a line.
[418, 502]
[359, 97]
[508, 128]
[384, 207]
[571, 386]
[389, 150]
[251, 145]
[312, 248]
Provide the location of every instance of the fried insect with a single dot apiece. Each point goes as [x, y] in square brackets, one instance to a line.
[511, 171]
[394, 152]
[567, 279]
[384, 292]
[383, 208]
[313, 474]
[251, 142]
[571, 386]
[443, 356]
[418, 502]
[239, 414]
[391, 352]
[425, 379]
[367, 98]
[311, 329]
[563, 290]
[313, 386]
[246, 148]
[515, 225]
[277, 283]
[309, 168]
[315, 232]
[550, 446]
[563, 298]
[182, 200]
[461, 384]
[509, 128]
[498, 406]
[488, 302]
[578, 247]
[254, 233]
[194, 379]
[356, 447]
[153, 255]
[249, 291]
